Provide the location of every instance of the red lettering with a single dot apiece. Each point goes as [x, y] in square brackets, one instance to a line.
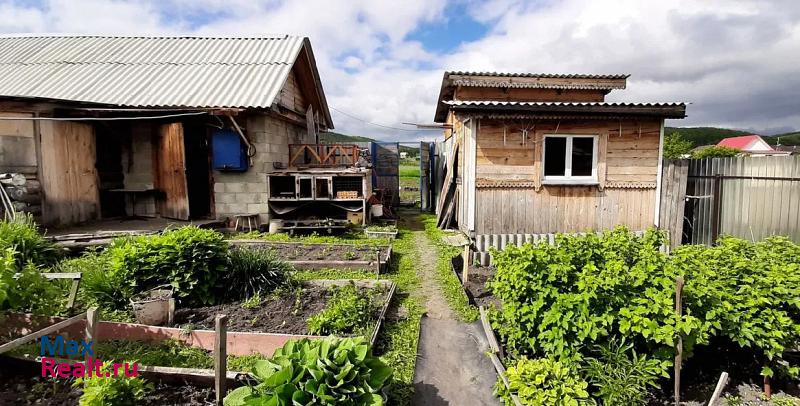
[116, 369]
[48, 366]
[78, 370]
[135, 370]
[98, 365]
[64, 370]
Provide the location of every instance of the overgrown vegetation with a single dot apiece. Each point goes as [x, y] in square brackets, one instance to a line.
[29, 245]
[447, 279]
[348, 311]
[716, 151]
[385, 229]
[574, 300]
[102, 390]
[252, 271]
[543, 382]
[330, 371]
[676, 146]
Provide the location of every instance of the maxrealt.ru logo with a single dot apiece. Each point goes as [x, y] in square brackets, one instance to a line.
[49, 349]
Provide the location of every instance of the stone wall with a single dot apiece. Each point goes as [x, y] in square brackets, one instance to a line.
[246, 192]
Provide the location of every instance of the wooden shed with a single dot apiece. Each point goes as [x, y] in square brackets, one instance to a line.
[175, 127]
[542, 153]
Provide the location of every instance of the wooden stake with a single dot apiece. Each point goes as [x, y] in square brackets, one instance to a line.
[679, 344]
[723, 380]
[91, 327]
[378, 262]
[220, 357]
[465, 267]
[171, 312]
[767, 388]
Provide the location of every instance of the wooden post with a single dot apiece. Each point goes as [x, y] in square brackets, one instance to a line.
[767, 388]
[716, 209]
[171, 311]
[377, 262]
[679, 343]
[723, 380]
[465, 268]
[91, 327]
[73, 292]
[220, 357]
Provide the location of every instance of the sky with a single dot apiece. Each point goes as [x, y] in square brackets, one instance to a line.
[736, 61]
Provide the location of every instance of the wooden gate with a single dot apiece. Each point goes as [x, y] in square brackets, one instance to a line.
[425, 162]
[171, 173]
[69, 176]
[386, 168]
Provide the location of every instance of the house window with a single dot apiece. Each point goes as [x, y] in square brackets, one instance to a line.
[570, 159]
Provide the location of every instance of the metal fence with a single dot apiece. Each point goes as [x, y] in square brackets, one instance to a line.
[747, 197]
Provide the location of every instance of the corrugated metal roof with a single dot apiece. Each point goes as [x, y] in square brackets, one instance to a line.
[534, 85]
[563, 104]
[539, 75]
[193, 72]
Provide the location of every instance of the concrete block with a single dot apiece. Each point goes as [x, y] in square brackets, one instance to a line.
[237, 208]
[257, 187]
[218, 187]
[234, 187]
[246, 198]
[257, 208]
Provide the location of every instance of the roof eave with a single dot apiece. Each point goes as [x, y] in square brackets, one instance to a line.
[672, 112]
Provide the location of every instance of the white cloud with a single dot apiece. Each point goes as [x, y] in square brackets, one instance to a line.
[736, 60]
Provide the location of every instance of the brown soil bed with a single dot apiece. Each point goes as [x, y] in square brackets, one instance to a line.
[476, 288]
[25, 390]
[284, 312]
[320, 252]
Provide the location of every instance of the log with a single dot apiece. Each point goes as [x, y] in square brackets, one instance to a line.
[15, 179]
[33, 186]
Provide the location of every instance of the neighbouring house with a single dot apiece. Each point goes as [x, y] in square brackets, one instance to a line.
[543, 153]
[751, 144]
[175, 127]
[403, 155]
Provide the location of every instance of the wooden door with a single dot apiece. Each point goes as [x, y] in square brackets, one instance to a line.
[171, 173]
[69, 177]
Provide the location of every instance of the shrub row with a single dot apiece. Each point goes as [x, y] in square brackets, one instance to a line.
[569, 300]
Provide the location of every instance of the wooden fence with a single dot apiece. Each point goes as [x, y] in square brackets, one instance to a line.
[747, 197]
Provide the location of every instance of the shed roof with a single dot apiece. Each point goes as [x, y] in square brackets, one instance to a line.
[740, 142]
[153, 72]
[665, 110]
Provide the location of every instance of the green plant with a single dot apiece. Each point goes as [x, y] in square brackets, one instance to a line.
[22, 235]
[348, 311]
[253, 302]
[716, 151]
[167, 353]
[543, 382]
[24, 289]
[190, 259]
[676, 146]
[384, 229]
[329, 371]
[620, 375]
[118, 391]
[559, 299]
[252, 271]
[350, 255]
[101, 284]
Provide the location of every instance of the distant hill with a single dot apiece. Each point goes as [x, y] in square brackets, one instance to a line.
[700, 136]
[339, 138]
[704, 135]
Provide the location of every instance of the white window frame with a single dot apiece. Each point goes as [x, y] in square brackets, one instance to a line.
[568, 179]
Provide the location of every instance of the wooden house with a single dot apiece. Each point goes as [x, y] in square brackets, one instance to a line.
[175, 127]
[539, 153]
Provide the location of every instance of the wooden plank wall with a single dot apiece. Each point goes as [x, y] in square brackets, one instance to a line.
[291, 95]
[69, 177]
[171, 173]
[673, 199]
[627, 172]
[527, 94]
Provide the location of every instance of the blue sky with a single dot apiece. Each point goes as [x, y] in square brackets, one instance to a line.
[736, 61]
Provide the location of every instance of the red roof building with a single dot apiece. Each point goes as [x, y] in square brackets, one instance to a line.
[751, 144]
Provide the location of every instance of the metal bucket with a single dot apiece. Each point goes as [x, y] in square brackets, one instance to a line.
[152, 307]
[376, 210]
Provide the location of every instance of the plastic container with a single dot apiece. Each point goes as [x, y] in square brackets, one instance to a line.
[376, 210]
[275, 226]
[152, 307]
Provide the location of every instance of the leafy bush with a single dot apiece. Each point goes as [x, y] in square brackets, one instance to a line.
[676, 146]
[348, 311]
[620, 376]
[716, 151]
[118, 391]
[746, 293]
[25, 289]
[559, 299]
[330, 371]
[29, 245]
[252, 271]
[543, 382]
[190, 259]
[101, 284]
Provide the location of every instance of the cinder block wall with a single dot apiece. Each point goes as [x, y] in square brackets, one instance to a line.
[246, 192]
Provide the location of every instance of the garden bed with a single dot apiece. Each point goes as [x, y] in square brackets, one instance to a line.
[475, 288]
[322, 256]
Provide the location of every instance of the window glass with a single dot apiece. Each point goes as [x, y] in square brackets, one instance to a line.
[555, 149]
[582, 156]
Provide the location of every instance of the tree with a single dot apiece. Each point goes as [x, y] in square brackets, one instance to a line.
[715, 151]
[675, 146]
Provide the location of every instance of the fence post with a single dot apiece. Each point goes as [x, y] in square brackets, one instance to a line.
[465, 266]
[679, 343]
[716, 209]
[220, 357]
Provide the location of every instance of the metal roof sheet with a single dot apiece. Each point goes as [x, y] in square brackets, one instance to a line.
[194, 72]
[539, 75]
[567, 104]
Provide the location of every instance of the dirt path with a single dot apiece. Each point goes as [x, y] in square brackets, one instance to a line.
[451, 366]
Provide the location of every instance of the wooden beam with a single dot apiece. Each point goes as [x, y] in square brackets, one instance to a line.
[220, 357]
[45, 331]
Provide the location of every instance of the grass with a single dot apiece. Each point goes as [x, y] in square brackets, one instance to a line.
[352, 237]
[447, 279]
[409, 171]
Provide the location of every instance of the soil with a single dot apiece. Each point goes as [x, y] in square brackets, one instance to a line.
[283, 312]
[24, 390]
[324, 252]
[476, 288]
